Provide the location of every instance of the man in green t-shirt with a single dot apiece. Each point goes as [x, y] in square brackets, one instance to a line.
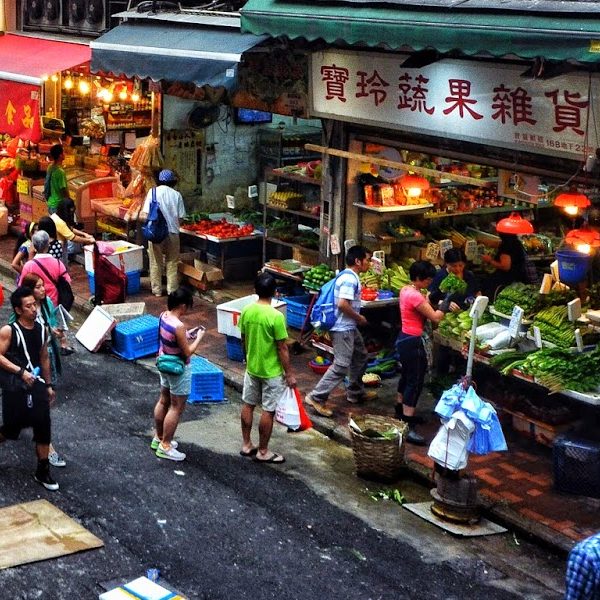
[58, 179]
[268, 368]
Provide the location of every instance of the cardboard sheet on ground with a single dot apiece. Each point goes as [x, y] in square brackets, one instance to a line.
[484, 527]
[37, 530]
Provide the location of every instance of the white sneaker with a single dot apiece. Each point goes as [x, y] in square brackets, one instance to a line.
[156, 441]
[170, 454]
[56, 460]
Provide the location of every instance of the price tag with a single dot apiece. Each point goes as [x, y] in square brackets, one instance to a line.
[432, 252]
[471, 250]
[23, 186]
[516, 318]
[334, 243]
[537, 334]
[574, 309]
[444, 246]
[579, 340]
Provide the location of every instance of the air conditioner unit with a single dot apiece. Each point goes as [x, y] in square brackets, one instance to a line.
[87, 16]
[44, 14]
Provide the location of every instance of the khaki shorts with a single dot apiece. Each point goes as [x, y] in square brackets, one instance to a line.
[265, 391]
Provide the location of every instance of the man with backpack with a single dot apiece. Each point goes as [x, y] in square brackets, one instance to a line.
[349, 352]
[170, 204]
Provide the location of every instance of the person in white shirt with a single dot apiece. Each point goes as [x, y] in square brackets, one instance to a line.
[171, 205]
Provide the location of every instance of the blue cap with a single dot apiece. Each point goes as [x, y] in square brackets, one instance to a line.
[166, 176]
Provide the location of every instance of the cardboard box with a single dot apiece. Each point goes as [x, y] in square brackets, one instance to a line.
[201, 275]
[141, 588]
[39, 209]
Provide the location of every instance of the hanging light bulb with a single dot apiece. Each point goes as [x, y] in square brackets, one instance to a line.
[68, 83]
[571, 202]
[414, 185]
[583, 248]
[84, 87]
[45, 77]
[572, 210]
[123, 93]
[54, 78]
[135, 97]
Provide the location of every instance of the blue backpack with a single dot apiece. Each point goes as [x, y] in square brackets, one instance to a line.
[155, 229]
[324, 312]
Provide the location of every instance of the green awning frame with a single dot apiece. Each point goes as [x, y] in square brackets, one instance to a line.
[554, 37]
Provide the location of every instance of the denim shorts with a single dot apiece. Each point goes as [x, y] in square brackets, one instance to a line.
[178, 385]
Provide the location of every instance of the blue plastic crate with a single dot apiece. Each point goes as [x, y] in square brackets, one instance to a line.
[136, 337]
[207, 382]
[133, 282]
[234, 348]
[297, 307]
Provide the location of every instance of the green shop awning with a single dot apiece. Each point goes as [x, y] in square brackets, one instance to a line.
[527, 35]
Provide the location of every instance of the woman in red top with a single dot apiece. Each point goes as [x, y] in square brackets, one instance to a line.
[415, 310]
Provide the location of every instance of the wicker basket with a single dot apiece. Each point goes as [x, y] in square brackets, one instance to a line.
[378, 458]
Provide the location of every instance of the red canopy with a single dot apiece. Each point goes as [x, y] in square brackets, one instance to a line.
[27, 59]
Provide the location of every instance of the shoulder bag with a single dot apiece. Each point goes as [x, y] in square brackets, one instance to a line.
[169, 364]
[63, 287]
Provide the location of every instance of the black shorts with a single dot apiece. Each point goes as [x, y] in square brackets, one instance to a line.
[17, 415]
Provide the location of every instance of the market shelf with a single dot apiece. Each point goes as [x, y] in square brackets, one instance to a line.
[218, 240]
[294, 176]
[300, 213]
[477, 211]
[394, 240]
[393, 209]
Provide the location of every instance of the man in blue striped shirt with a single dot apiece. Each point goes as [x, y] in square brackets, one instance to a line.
[583, 570]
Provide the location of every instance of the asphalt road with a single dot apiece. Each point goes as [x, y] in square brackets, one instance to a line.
[219, 526]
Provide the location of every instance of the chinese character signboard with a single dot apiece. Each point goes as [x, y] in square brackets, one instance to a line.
[477, 102]
[20, 110]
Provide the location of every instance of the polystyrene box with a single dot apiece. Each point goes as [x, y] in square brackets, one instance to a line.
[136, 338]
[129, 258]
[207, 381]
[229, 313]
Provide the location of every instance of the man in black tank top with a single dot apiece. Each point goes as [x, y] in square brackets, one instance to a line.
[26, 397]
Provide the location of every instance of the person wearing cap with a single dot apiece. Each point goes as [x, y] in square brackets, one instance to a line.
[171, 205]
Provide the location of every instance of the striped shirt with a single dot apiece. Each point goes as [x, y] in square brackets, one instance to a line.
[166, 333]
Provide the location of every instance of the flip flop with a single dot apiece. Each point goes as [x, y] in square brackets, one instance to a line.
[250, 453]
[67, 351]
[275, 459]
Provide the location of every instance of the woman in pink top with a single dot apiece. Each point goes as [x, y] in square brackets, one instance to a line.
[415, 310]
[45, 265]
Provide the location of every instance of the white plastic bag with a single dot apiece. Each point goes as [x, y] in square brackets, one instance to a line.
[287, 412]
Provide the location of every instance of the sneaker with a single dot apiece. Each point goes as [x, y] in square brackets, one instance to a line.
[412, 437]
[169, 454]
[318, 407]
[366, 397]
[156, 441]
[46, 480]
[56, 460]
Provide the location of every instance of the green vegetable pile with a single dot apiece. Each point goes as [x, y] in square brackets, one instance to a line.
[555, 326]
[559, 369]
[455, 325]
[451, 284]
[594, 296]
[317, 276]
[517, 294]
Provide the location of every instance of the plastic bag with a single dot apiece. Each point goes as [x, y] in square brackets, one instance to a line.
[287, 412]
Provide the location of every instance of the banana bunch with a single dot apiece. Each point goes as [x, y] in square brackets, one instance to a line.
[394, 278]
[370, 279]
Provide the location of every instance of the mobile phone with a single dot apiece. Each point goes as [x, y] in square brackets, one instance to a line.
[194, 331]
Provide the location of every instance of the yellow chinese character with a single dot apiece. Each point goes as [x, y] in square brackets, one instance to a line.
[28, 119]
[10, 113]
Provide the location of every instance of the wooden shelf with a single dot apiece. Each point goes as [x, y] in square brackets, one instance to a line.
[413, 208]
[477, 211]
[299, 213]
[290, 244]
[293, 177]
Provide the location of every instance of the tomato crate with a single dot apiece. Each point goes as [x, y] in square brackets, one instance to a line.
[136, 338]
[207, 382]
[297, 308]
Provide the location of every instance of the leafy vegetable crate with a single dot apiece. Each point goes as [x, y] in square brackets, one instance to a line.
[136, 338]
[207, 381]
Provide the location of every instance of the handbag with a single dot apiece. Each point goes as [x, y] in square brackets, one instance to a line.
[63, 287]
[170, 364]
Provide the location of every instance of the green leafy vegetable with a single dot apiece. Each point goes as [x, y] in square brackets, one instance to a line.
[451, 284]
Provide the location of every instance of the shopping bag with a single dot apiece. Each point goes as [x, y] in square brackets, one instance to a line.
[287, 412]
[305, 422]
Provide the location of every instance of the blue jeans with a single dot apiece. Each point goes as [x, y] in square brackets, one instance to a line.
[411, 354]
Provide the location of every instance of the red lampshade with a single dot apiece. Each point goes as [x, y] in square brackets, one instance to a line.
[572, 199]
[514, 224]
[411, 181]
[591, 237]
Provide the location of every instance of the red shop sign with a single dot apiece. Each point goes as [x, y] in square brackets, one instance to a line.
[20, 110]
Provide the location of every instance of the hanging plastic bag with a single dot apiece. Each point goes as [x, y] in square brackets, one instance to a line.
[287, 412]
[305, 422]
